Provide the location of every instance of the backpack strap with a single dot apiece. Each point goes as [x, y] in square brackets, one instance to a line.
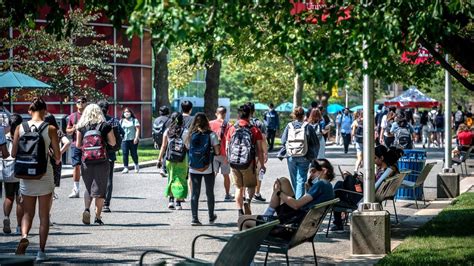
[26, 127]
[42, 127]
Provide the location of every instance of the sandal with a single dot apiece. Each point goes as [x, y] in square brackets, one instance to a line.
[21, 248]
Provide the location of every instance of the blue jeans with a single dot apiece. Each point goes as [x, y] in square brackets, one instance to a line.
[298, 167]
[129, 147]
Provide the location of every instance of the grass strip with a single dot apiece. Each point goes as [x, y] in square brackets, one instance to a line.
[145, 153]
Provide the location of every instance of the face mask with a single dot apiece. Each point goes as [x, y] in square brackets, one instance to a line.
[127, 114]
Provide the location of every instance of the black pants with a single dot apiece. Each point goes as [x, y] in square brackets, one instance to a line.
[209, 180]
[346, 138]
[271, 138]
[347, 200]
[110, 185]
[388, 141]
[128, 147]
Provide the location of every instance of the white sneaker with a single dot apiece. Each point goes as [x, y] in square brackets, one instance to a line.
[137, 168]
[162, 173]
[125, 170]
[41, 256]
[74, 193]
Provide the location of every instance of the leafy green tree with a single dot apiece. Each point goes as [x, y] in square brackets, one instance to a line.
[66, 64]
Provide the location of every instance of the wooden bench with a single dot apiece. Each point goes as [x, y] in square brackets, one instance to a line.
[305, 232]
[240, 248]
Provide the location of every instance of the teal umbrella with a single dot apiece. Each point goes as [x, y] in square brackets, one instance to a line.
[14, 80]
[286, 107]
[361, 107]
[261, 106]
[334, 108]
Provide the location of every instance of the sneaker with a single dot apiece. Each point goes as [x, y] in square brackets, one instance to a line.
[106, 209]
[178, 205]
[41, 256]
[228, 198]
[86, 217]
[337, 228]
[171, 206]
[162, 173]
[74, 193]
[196, 222]
[259, 198]
[137, 168]
[98, 221]
[212, 219]
[247, 210]
[6, 226]
[125, 170]
[22, 246]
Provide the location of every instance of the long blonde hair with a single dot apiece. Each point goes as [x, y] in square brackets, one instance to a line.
[91, 115]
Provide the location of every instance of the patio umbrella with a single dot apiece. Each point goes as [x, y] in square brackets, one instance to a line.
[287, 108]
[261, 106]
[361, 107]
[334, 108]
[14, 80]
[412, 98]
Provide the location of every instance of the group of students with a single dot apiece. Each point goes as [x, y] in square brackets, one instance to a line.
[31, 165]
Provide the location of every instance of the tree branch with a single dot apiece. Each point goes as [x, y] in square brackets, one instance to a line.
[446, 65]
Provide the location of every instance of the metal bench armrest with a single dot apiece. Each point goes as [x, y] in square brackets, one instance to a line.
[204, 235]
[348, 191]
[142, 257]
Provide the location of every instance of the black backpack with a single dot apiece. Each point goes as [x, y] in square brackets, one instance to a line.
[31, 160]
[118, 133]
[439, 121]
[241, 151]
[403, 138]
[176, 150]
[158, 132]
[359, 133]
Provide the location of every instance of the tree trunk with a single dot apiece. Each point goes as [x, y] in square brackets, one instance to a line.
[211, 94]
[161, 79]
[298, 92]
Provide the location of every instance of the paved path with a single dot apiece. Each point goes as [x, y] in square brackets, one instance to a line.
[141, 221]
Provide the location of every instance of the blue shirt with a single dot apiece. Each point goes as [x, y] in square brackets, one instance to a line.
[272, 120]
[320, 191]
[346, 123]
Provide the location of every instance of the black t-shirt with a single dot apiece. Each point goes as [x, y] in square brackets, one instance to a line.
[104, 129]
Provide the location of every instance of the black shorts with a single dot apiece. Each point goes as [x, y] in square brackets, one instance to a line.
[12, 189]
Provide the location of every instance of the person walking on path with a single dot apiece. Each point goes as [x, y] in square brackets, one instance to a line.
[425, 129]
[254, 121]
[64, 144]
[220, 127]
[358, 138]
[203, 145]
[317, 122]
[346, 123]
[12, 184]
[243, 146]
[302, 146]
[403, 132]
[272, 122]
[111, 151]
[386, 137]
[93, 135]
[131, 128]
[173, 148]
[76, 157]
[338, 128]
[458, 118]
[160, 125]
[33, 190]
[439, 127]
[187, 110]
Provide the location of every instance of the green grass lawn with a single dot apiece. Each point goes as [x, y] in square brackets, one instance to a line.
[448, 239]
[145, 153]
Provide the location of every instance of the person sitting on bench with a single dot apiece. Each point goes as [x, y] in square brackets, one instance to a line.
[290, 210]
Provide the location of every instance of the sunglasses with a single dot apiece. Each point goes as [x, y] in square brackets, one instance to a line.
[79, 102]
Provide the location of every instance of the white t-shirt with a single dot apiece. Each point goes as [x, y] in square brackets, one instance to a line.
[214, 142]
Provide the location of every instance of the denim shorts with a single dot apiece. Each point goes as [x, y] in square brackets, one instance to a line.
[76, 156]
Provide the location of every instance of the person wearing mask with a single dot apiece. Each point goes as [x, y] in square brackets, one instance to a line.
[94, 166]
[272, 122]
[220, 127]
[111, 153]
[160, 125]
[33, 190]
[12, 184]
[76, 157]
[173, 147]
[316, 121]
[346, 123]
[203, 145]
[302, 146]
[290, 210]
[187, 110]
[243, 164]
[263, 129]
[385, 158]
[425, 129]
[64, 144]
[358, 137]
[131, 127]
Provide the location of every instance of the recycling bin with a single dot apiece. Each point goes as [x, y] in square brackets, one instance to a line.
[411, 160]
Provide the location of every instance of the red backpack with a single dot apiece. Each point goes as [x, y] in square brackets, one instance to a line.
[93, 146]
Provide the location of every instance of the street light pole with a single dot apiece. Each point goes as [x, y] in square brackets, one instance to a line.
[447, 120]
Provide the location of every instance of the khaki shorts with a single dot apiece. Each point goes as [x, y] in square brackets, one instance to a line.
[246, 177]
[221, 164]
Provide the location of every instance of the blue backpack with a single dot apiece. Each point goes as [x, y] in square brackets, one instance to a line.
[200, 150]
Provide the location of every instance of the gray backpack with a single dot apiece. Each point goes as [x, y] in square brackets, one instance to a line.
[297, 142]
[241, 150]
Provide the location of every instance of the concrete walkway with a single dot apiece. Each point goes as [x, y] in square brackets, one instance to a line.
[140, 221]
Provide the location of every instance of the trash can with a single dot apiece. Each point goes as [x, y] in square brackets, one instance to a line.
[411, 160]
